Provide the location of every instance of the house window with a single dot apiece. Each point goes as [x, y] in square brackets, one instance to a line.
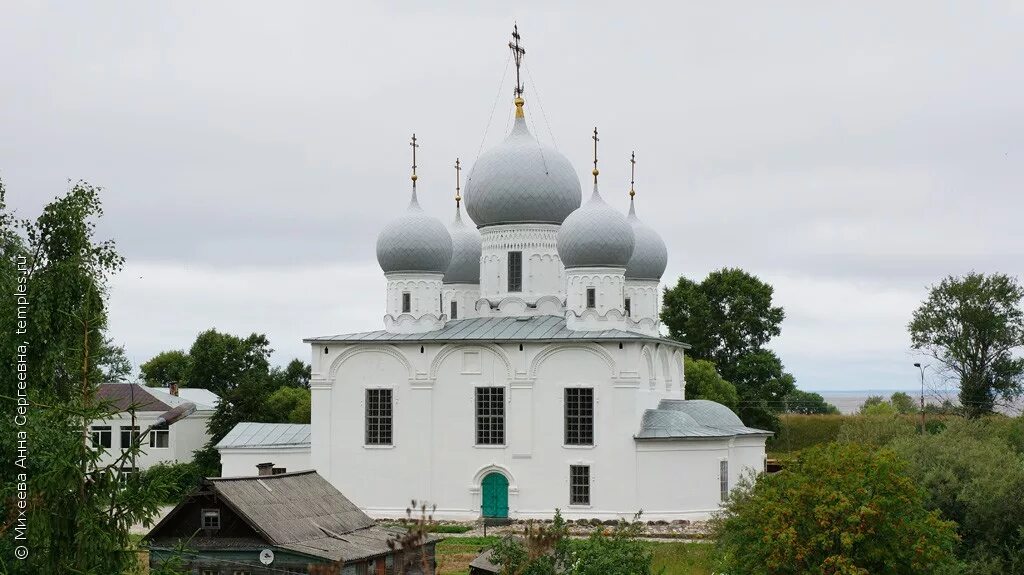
[591, 298]
[278, 470]
[579, 416]
[210, 519]
[455, 310]
[160, 437]
[628, 307]
[129, 436]
[378, 417]
[723, 478]
[406, 302]
[579, 485]
[210, 572]
[515, 271]
[490, 416]
[101, 436]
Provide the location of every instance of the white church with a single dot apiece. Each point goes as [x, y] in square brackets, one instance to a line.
[521, 367]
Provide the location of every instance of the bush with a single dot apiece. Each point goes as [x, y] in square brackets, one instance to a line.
[834, 510]
[802, 431]
[808, 403]
[877, 430]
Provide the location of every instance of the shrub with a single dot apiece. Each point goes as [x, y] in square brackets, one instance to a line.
[834, 510]
[875, 431]
[801, 431]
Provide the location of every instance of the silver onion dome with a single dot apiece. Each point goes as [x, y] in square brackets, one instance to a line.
[650, 256]
[521, 181]
[595, 235]
[465, 265]
[414, 242]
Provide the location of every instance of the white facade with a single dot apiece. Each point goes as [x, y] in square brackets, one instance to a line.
[242, 462]
[546, 392]
[283, 447]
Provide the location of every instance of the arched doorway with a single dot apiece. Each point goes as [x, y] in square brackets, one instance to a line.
[494, 502]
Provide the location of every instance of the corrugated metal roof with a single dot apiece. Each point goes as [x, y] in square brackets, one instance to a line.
[255, 435]
[496, 329]
[204, 399]
[692, 419]
[304, 513]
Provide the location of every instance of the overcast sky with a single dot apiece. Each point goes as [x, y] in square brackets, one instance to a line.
[851, 154]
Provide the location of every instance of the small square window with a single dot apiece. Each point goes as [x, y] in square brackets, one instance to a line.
[579, 485]
[101, 436]
[591, 298]
[211, 519]
[406, 302]
[455, 310]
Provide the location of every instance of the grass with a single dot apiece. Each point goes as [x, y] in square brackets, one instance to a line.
[676, 558]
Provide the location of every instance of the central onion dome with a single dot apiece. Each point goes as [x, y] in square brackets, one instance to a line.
[521, 181]
[650, 257]
[595, 235]
[465, 265]
[414, 242]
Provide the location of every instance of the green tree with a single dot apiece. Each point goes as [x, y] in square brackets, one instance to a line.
[296, 374]
[833, 511]
[727, 319]
[703, 382]
[167, 367]
[808, 403]
[972, 326]
[221, 361]
[78, 510]
[903, 403]
[289, 405]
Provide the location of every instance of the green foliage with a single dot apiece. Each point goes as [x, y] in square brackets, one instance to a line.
[797, 432]
[619, 553]
[876, 431]
[898, 403]
[728, 318]
[976, 478]
[703, 382]
[903, 403]
[807, 403]
[291, 402]
[832, 511]
[296, 374]
[167, 367]
[180, 479]
[222, 362]
[972, 325]
[881, 409]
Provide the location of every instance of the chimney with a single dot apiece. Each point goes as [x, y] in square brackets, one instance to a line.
[265, 469]
[174, 388]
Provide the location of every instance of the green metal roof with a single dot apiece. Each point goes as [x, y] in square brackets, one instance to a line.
[541, 328]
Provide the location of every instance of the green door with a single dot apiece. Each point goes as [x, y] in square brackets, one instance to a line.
[495, 495]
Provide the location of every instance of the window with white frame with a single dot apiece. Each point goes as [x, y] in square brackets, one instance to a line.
[378, 417]
[210, 519]
[723, 478]
[102, 436]
[129, 436]
[579, 416]
[579, 485]
[490, 416]
[406, 302]
[160, 437]
[515, 271]
[591, 298]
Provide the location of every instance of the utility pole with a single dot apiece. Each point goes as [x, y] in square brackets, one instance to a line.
[921, 368]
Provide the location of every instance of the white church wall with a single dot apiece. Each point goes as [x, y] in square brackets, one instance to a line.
[542, 267]
[465, 297]
[424, 294]
[644, 299]
[679, 479]
[242, 462]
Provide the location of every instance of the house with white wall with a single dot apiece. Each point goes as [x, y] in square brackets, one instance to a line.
[137, 407]
[249, 447]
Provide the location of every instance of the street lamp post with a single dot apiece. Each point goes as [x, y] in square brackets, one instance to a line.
[921, 368]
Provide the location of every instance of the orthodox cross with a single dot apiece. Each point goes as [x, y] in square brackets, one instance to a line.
[458, 174]
[632, 174]
[414, 146]
[595, 154]
[517, 53]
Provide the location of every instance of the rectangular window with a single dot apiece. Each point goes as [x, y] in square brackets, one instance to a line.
[406, 302]
[579, 416]
[129, 436]
[579, 485]
[455, 310]
[515, 271]
[490, 416]
[160, 437]
[278, 470]
[378, 417]
[209, 572]
[101, 436]
[591, 298]
[723, 478]
[628, 307]
[210, 519]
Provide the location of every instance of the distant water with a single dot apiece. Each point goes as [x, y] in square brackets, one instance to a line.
[849, 401]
